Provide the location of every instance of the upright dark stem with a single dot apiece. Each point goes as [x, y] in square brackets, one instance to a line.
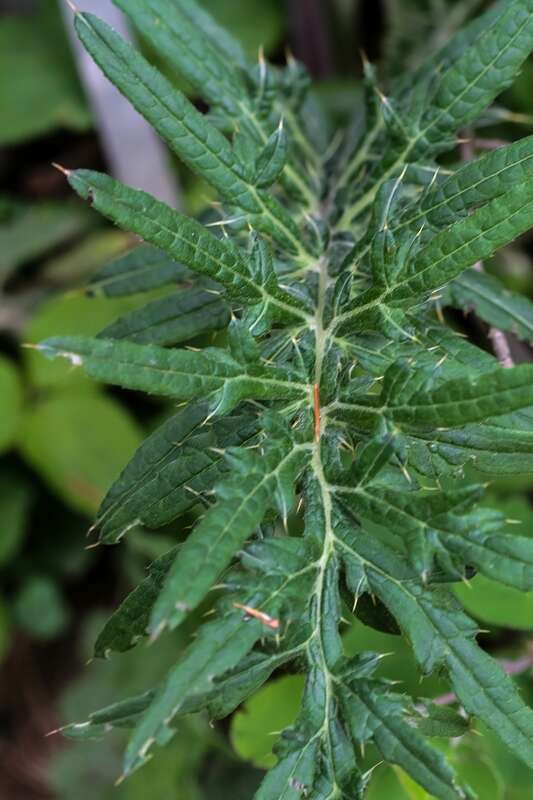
[310, 36]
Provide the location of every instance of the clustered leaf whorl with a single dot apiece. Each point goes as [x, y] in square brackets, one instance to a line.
[326, 434]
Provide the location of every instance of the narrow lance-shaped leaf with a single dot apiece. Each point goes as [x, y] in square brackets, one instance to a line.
[495, 448]
[188, 46]
[493, 303]
[182, 238]
[219, 647]
[473, 239]
[128, 623]
[201, 146]
[477, 182]
[123, 714]
[140, 270]
[180, 374]
[198, 143]
[469, 399]
[271, 160]
[178, 462]
[241, 506]
[229, 46]
[480, 73]
[448, 99]
[371, 714]
[172, 319]
[441, 633]
[481, 539]
[473, 184]
[445, 257]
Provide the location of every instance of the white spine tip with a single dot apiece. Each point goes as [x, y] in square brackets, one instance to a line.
[64, 171]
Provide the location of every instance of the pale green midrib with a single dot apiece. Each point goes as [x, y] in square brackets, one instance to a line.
[352, 212]
[304, 387]
[321, 339]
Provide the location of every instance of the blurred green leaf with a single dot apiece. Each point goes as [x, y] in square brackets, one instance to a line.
[32, 231]
[10, 402]
[40, 608]
[476, 769]
[39, 90]
[83, 769]
[496, 604]
[254, 22]
[515, 776]
[268, 712]
[73, 267]
[78, 443]
[15, 499]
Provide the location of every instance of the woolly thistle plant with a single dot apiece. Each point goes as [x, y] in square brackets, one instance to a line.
[324, 438]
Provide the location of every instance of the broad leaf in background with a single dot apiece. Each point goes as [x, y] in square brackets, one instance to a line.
[11, 400]
[15, 502]
[78, 442]
[30, 231]
[30, 47]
